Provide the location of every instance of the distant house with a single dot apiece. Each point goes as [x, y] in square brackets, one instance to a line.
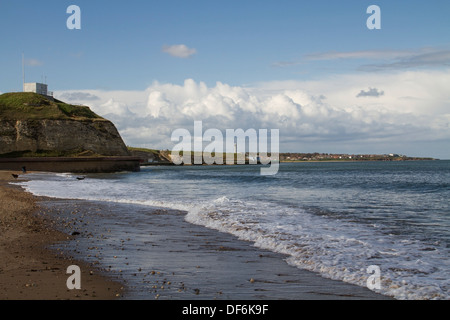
[36, 87]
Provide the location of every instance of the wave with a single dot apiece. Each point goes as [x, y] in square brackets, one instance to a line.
[336, 250]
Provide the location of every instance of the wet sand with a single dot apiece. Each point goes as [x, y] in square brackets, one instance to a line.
[29, 270]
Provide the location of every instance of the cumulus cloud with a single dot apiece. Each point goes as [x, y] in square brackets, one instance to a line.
[372, 92]
[179, 51]
[321, 115]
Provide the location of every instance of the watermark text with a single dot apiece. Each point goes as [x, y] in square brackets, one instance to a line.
[230, 150]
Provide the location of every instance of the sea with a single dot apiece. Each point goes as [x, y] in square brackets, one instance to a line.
[338, 219]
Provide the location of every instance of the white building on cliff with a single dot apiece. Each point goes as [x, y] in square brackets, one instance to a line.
[36, 87]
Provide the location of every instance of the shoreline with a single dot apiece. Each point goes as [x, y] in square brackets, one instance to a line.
[29, 269]
[171, 260]
[164, 257]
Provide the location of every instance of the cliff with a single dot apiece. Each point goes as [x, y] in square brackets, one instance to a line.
[32, 125]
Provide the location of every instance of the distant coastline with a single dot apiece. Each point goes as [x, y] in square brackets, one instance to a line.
[163, 157]
[328, 157]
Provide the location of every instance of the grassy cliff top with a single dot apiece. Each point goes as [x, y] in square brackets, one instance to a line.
[33, 106]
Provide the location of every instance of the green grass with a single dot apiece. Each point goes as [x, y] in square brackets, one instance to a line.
[154, 151]
[77, 111]
[32, 106]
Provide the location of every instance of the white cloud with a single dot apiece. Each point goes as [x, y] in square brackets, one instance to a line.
[179, 50]
[414, 110]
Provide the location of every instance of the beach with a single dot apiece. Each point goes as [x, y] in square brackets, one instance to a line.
[29, 270]
[176, 260]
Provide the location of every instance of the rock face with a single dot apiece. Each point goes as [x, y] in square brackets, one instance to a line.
[31, 123]
[62, 136]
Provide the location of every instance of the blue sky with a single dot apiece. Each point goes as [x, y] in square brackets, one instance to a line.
[129, 51]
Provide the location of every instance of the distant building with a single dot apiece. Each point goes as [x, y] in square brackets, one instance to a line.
[39, 88]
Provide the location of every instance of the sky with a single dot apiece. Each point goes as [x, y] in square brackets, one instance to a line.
[312, 69]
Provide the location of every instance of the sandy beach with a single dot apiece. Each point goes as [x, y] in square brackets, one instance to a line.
[177, 260]
[28, 269]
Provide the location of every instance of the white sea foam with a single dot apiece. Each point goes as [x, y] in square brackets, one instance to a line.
[337, 249]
